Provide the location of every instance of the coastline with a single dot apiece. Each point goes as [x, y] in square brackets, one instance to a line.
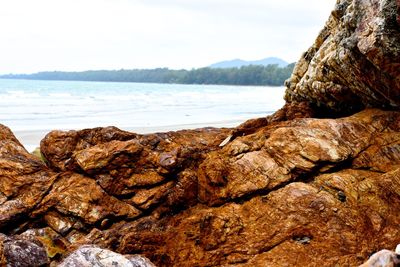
[30, 139]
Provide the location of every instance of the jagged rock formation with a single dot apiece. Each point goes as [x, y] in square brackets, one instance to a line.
[97, 177]
[355, 61]
[292, 189]
[293, 192]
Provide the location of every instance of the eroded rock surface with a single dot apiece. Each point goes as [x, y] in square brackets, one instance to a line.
[355, 60]
[320, 191]
[96, 178]
[288, 195]
[277, 155]
[291, 189]
[21, 252]
[24, 180]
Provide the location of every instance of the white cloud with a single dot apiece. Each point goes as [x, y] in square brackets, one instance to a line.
[112, 34]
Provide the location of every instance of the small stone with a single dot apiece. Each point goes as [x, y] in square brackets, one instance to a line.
[302, 239]
[341, 196]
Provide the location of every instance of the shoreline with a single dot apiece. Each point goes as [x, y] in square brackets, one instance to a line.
[30, 139]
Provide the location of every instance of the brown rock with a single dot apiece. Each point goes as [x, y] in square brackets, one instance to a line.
[291, 193]
[24, 180]
[163, 152]
[146, 198]
[289, 111]
[142, 171]
[109, 155]
[286, 190]
[78, 196]
[293, 226]
[255, 163]
[63, 144]
[337, 213]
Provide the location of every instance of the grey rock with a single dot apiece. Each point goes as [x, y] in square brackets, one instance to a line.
[93, 256]
[383, 258]
[355, 60]
[21, 252]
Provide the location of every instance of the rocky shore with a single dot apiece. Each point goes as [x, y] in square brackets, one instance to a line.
[315, 184]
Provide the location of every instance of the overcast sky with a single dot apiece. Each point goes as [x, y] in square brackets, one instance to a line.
[39, 35]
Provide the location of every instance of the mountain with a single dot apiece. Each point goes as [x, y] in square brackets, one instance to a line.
[237, 63]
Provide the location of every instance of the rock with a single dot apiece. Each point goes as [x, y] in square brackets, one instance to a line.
[24, 178]
[65, 143]
[54, 244]
[298, 219]
[355, 60]
[304, 186]
[143, 170]
[93, 150]
[275, 156]
[88, 256]
[292, 188]
[325, 189]
[383, 258]
[76, 196]
[21, 252]
[289, 111]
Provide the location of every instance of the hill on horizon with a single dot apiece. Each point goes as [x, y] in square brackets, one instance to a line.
[237, 63]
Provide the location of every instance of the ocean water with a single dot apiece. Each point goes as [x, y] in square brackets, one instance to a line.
[27, 105]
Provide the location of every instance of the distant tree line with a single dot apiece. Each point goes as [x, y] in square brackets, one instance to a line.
[246, 75]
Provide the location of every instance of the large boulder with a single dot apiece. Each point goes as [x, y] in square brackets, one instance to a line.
[24, 180]
[292, 194]
[286, 192]
[355, 60]
[144, 171]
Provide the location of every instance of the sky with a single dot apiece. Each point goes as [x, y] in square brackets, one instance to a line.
[76, 35]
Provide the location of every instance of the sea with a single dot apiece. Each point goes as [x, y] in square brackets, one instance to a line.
[32, 105]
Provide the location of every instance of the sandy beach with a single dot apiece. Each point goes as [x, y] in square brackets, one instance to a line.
[31, 138]
[31, 109]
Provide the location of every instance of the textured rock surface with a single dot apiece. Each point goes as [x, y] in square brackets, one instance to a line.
[88, 256]
[355, 61]
[383, 258]
[21, 252]
[288, 195]
[140, 170]
[291, 192]
[24, 180]
[290, 189]
[283, 153]
[97, 177]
